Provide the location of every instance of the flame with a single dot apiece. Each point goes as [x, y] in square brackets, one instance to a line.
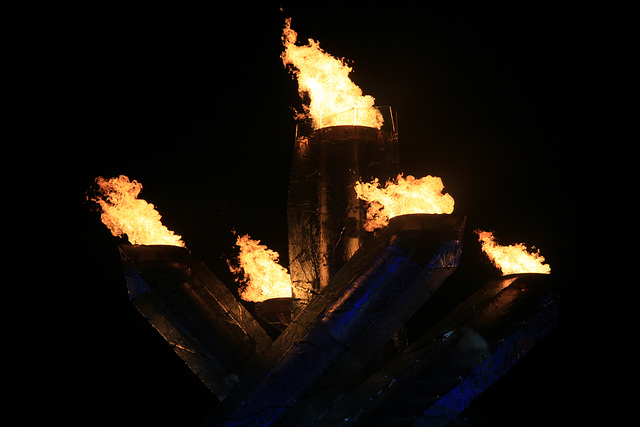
[404, 196]
[262, 276]
[512, 259]
[333, 98]
[124, 213]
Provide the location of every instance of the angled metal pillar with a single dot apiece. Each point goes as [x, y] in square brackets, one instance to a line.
[195, 313]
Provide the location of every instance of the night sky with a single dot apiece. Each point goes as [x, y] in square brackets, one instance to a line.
[512, 106]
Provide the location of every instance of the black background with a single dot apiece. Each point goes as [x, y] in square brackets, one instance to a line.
[517, 107]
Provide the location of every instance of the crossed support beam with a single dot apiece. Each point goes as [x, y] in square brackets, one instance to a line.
[332, 365]
[438, 376]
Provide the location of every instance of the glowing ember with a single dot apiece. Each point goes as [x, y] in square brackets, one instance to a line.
[123, 213]
[263, 277]
[403, 196]
[512, 259]
[333, 98]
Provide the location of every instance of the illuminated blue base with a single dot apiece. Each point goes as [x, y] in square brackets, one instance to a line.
[503, 358]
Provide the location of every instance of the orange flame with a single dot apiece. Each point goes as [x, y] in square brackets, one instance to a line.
[124, 213]
[404, 196]
[262, 276]
[334, 98]
[512, 259]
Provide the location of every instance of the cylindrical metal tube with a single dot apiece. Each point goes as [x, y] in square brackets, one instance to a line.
[325, 218]
[197, 315]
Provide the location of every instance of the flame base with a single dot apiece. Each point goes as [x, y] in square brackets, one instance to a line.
[276, 312]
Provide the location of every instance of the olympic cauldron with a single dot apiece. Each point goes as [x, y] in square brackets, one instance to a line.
[342, 354]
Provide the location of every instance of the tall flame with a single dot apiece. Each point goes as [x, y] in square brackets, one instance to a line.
[333, 98]
[512, 259]
[263, 278]
[403, 196]
[123, 213]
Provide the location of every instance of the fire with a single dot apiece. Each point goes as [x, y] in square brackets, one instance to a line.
[262, 276]
[403, 196]
[512, 259]
[123, 213]
[333, 98]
